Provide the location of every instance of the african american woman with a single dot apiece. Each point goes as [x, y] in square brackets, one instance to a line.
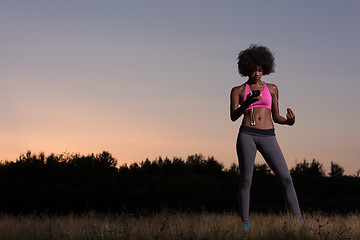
[257, 102]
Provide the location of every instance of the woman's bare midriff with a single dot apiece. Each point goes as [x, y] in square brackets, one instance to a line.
[262, 117]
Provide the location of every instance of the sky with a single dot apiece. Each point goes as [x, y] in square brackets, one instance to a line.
[142, 79]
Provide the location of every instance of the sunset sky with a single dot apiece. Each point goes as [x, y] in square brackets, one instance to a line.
[143, 79]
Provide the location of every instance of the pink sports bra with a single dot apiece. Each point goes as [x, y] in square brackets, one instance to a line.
[264, 102]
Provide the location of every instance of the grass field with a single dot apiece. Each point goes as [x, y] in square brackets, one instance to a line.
[175, 226]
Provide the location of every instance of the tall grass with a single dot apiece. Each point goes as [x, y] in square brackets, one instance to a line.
[174, 226]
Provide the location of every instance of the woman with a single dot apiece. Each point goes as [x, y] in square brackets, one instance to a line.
[260, 109]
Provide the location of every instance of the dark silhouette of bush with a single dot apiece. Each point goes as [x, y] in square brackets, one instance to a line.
[76, 183]
[56, 183]
[336, 170]
[262, 169]
[306, 169]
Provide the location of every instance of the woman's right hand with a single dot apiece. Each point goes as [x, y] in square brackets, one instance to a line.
[251, 99]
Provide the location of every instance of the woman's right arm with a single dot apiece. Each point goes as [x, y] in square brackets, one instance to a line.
[235, 110]
[235, 96]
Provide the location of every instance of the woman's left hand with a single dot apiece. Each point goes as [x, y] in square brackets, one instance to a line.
[290, 117]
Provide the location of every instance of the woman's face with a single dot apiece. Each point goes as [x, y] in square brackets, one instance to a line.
[257, 74]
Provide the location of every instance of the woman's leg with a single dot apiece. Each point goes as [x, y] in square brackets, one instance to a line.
[269, 148]
[246, 151]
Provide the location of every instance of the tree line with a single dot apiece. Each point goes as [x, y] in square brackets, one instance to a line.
[62, 183]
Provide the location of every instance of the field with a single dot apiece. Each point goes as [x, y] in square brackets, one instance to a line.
[166, 225]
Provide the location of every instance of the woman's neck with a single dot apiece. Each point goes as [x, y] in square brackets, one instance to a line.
[254, 82]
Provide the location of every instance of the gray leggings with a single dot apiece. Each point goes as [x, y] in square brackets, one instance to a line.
[246, 147]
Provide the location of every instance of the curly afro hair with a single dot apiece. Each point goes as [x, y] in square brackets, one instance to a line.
[253, 57]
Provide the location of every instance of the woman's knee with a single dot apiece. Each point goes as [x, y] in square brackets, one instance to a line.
[245, 183]
[287, 180]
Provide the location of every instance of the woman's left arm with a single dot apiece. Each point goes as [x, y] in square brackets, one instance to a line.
[290, 116]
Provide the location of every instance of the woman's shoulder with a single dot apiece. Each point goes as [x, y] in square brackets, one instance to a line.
[239, 88]
[272, 86]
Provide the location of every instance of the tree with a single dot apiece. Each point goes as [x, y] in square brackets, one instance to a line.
[262, 169]
[199, 164]
[336, 170]
[313, 169]
[234, 169]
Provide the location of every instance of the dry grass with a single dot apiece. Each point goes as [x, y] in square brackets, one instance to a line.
[176, 226]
